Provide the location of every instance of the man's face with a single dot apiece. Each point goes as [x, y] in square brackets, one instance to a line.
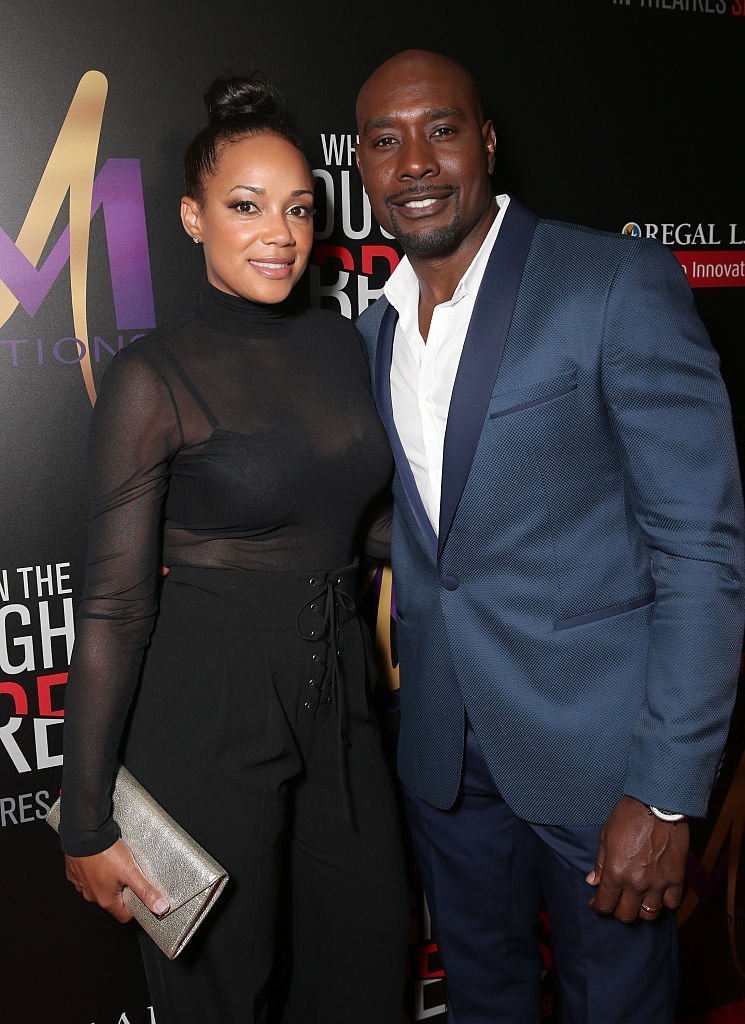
[425, 154]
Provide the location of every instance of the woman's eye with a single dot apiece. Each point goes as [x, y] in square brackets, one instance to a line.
[244, 206]
[301, 211]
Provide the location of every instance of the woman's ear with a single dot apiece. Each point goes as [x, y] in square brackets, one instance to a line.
[190, 216]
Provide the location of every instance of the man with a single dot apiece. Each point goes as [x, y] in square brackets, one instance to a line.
[567, 556]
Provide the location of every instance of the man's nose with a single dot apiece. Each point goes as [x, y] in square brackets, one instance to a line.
[417, 159]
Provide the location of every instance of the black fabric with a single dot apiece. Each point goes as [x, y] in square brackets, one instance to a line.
[240, 436]
[316, 906]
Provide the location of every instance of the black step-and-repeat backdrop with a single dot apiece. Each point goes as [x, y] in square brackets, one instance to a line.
[622, 114]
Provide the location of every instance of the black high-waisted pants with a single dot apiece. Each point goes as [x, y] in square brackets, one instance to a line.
[251, 727]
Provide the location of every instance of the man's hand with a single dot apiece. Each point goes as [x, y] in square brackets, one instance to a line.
[102, 877]
[640, 864]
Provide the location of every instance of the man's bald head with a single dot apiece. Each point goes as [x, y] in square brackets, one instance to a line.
[419, 66]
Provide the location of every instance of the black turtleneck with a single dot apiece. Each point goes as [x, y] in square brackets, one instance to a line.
[241, 435]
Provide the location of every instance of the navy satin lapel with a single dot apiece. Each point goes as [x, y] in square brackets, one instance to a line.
[383, 356]
[482, 354]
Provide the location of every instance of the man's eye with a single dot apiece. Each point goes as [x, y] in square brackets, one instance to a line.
[385, 140]
[443, 131]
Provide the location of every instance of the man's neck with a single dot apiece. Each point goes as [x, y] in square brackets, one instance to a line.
[439, 276]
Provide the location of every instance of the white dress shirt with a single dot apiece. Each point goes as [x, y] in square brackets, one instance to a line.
[423, 373]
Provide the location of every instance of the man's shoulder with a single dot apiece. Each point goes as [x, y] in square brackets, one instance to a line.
[577, 246]
[583, 236]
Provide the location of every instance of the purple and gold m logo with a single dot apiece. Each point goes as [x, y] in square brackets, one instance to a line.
[118, 190]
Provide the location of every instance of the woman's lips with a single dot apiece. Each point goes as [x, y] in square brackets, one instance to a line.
[276, 270]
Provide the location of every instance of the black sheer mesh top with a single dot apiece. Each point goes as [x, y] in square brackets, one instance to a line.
[239, 436]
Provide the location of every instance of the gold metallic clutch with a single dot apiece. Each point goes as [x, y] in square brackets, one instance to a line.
[169, 858]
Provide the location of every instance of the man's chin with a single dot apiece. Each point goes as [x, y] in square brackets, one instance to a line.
[428, 242]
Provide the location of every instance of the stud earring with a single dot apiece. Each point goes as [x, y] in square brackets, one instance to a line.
[196, 240]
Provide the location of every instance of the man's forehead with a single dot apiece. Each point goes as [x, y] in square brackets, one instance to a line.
[403, 94]
[421, 112]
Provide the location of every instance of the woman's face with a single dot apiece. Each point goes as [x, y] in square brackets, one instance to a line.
[255, 219]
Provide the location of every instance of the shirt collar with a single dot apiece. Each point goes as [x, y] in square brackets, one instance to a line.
[402, 287]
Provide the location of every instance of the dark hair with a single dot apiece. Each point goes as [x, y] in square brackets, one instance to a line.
[236, 107]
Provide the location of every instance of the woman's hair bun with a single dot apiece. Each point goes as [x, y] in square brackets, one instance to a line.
[240, 96]
[238, 107]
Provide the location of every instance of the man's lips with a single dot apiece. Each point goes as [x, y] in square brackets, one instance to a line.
[421, 202]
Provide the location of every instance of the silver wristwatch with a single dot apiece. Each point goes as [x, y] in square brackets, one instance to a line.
[665, 815]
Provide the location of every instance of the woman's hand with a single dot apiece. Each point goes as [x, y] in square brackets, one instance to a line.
[101, 878]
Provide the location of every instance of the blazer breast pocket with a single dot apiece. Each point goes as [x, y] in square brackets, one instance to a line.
[539, 393]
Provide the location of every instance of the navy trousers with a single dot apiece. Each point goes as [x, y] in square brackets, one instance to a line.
[485, 873]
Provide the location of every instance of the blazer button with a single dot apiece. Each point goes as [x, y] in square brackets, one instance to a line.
[450, 582]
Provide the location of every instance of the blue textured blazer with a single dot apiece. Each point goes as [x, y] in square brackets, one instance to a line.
[583, 602]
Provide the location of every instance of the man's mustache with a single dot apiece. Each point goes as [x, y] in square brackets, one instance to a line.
[417, 192]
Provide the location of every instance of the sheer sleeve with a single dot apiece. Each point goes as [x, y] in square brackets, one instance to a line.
[134, 431]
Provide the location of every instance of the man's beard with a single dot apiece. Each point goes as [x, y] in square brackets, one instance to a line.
[434, 242]
[438, 242]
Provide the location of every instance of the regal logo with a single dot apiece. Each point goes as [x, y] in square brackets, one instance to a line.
[632, 229]
[117, 189]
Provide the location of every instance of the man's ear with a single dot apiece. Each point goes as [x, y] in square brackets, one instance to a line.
[190, 217]
[490, 142]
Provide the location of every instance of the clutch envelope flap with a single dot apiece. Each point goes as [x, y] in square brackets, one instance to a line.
[167, 856]
[165, 853]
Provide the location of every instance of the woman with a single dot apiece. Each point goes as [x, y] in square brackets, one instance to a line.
[239, 445]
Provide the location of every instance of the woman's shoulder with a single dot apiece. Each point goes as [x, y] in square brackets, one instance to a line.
[166, 333]
[148, 347]
[330, 319]
[333, 325]
[338, 333]
[144, 365]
